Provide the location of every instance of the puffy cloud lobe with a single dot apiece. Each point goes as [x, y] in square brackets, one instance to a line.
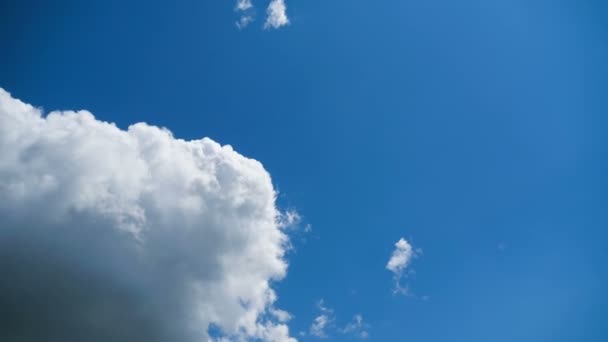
[280, 315]
[243, 5]
[399, 261]
[401, 257]
[276, 14]
[114, 235]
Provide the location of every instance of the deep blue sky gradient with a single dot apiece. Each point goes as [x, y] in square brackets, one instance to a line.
[477, 130]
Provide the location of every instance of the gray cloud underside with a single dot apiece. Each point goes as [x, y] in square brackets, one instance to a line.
[132, 235]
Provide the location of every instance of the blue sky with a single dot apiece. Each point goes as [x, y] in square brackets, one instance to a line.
[476, 130]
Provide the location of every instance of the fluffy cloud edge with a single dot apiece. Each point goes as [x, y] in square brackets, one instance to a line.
[67, 168]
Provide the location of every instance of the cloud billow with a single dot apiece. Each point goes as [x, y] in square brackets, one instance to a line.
[276, 14]
[399, 262]
[132, 235]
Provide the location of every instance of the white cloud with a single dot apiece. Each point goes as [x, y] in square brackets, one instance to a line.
[243, 5]
[276, 14]
[133, 235]
[357, 327]
[320, 324]
[401, 257]
[399, 261]
[246, 11]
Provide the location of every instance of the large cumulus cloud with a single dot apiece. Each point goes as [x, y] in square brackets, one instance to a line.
[114, 235]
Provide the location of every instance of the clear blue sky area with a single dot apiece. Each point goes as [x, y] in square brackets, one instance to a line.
[477, 130]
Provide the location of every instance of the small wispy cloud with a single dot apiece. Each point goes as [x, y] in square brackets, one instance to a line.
[276, 14]
[246, 13]
[244, 21]
[325, 323]
[399, 262]
[324, 320]
[357, 327]
[318, 326]
[289, 219]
